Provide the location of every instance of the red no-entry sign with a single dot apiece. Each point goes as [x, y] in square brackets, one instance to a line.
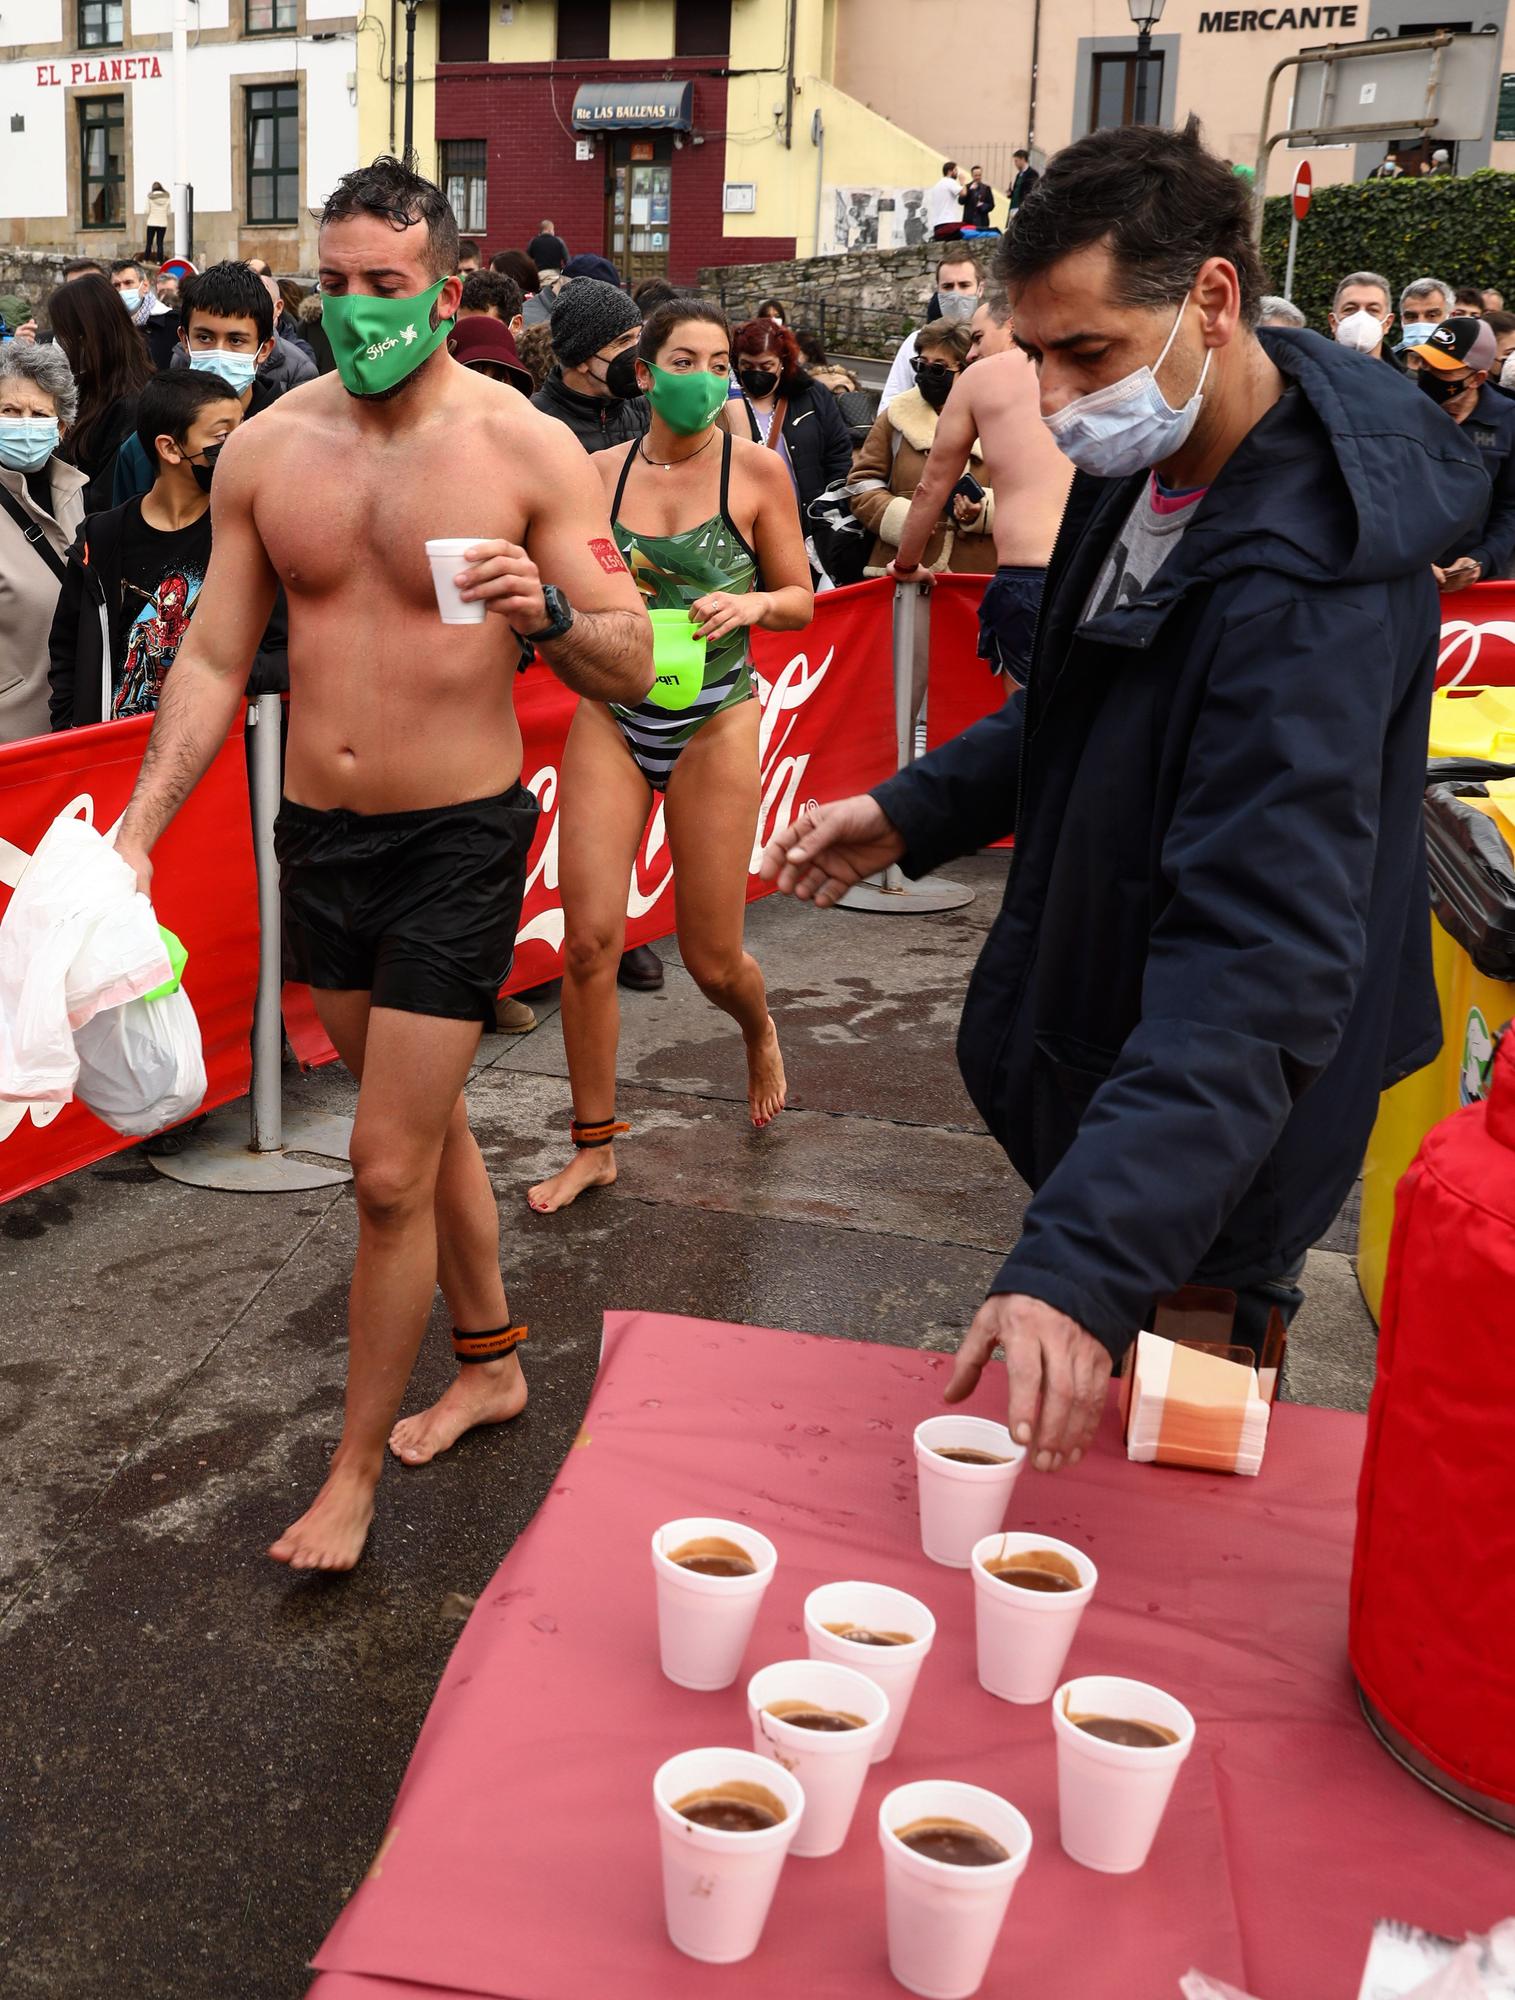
[1301, 194]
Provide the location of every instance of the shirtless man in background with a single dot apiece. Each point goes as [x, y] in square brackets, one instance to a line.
[404, 831]
[996, 401]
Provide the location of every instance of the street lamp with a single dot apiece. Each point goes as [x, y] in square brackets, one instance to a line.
[1145, 15]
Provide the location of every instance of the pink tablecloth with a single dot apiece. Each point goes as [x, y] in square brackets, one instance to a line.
[522, 1860]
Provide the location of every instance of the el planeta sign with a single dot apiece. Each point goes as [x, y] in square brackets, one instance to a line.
[111, 69]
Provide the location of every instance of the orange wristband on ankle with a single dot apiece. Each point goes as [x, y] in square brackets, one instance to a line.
[595, 1135]
[487, 1346]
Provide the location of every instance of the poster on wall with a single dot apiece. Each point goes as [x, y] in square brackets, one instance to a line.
[850, 218]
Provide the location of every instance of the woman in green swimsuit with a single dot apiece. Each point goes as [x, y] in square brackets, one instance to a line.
[708, 523]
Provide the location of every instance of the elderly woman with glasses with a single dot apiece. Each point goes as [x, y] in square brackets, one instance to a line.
[41, 509]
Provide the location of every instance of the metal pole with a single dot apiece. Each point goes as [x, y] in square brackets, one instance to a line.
[906, 604]
[893, 891]
[182, 244]
[790, 30]
[393, 51]
[818, 134]
[279, 1155]
[1036, 46]
[410, 81]
[1289, 266]
[1143, 50]
[264, 720]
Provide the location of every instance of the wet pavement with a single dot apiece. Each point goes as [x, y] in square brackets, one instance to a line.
[199, 1751]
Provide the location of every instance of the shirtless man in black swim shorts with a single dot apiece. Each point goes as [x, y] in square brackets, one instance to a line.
[404, 831]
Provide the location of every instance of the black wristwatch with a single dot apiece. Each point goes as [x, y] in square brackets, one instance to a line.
[560, 616]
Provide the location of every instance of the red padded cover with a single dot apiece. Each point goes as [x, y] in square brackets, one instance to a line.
[1433, 1577]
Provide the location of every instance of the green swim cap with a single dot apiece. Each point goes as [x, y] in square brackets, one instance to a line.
[678, 661]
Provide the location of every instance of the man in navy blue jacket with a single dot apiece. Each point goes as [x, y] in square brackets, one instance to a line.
[1214, 949]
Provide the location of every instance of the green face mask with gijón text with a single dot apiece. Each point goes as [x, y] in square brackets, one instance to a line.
[376, 343]
[686, 402]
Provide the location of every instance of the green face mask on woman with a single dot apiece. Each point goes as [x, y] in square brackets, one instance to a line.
[377, 343]
[686, 402]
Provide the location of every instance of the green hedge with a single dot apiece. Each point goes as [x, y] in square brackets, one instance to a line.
[1457, 227]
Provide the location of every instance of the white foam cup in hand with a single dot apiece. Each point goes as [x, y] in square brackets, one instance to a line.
[894, 1668]
[704, 1622]
[943, 1919]
[717, 1886]
[830, 1764]
[1111, 1796]
[1024, 1635]
[961, 1503]
[446, 559]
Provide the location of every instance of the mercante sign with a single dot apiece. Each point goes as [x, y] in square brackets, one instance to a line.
[1248, 20]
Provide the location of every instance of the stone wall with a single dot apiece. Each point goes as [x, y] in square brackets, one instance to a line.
[32, 275]
[862, 302]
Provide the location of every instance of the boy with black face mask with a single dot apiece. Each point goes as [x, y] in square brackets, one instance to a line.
[142, 564]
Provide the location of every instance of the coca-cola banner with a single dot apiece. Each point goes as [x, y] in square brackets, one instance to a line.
[827, 729]
[1478, 637]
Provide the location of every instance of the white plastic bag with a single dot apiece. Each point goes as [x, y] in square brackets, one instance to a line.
[141, 1065]
[75, 937]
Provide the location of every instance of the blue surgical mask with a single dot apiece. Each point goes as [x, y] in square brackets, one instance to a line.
[27, 442]
[1128, 425]
[236, 370]
[130, 297]
[1418, 332]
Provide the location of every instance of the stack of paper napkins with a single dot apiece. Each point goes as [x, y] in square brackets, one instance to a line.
[1188, 1407]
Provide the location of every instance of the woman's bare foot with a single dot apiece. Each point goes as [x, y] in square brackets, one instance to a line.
[332, 1531]
[487, 1392]
[766, 1087]
[590, 1167]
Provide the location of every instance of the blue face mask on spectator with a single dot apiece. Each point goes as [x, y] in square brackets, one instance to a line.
[27, 442]
[130, 297]
[236, 370]
[1418, 332]
[1130, 424]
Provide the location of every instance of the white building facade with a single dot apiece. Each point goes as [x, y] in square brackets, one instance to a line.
[87, 123]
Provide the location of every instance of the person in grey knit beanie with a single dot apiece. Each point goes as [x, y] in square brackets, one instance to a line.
[586, 316]
[593, 388]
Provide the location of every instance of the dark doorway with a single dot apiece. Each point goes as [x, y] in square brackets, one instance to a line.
[639, 204]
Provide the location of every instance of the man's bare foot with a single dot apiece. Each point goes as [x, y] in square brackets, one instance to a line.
[766, 1087]
[487, 1392]
[590, 1167]
[332, 1531]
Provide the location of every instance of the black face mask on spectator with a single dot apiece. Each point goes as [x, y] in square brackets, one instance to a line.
[934, 379]
[621, 375]
[206, 472]
[1438, 390]
[758, 382]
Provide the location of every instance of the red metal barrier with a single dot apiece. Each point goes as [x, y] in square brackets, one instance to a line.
[827, 730]
[203, 888]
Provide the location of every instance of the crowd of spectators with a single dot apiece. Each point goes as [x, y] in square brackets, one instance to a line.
[82, 383]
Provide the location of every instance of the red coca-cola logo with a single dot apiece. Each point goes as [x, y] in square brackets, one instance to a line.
[782, 765]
